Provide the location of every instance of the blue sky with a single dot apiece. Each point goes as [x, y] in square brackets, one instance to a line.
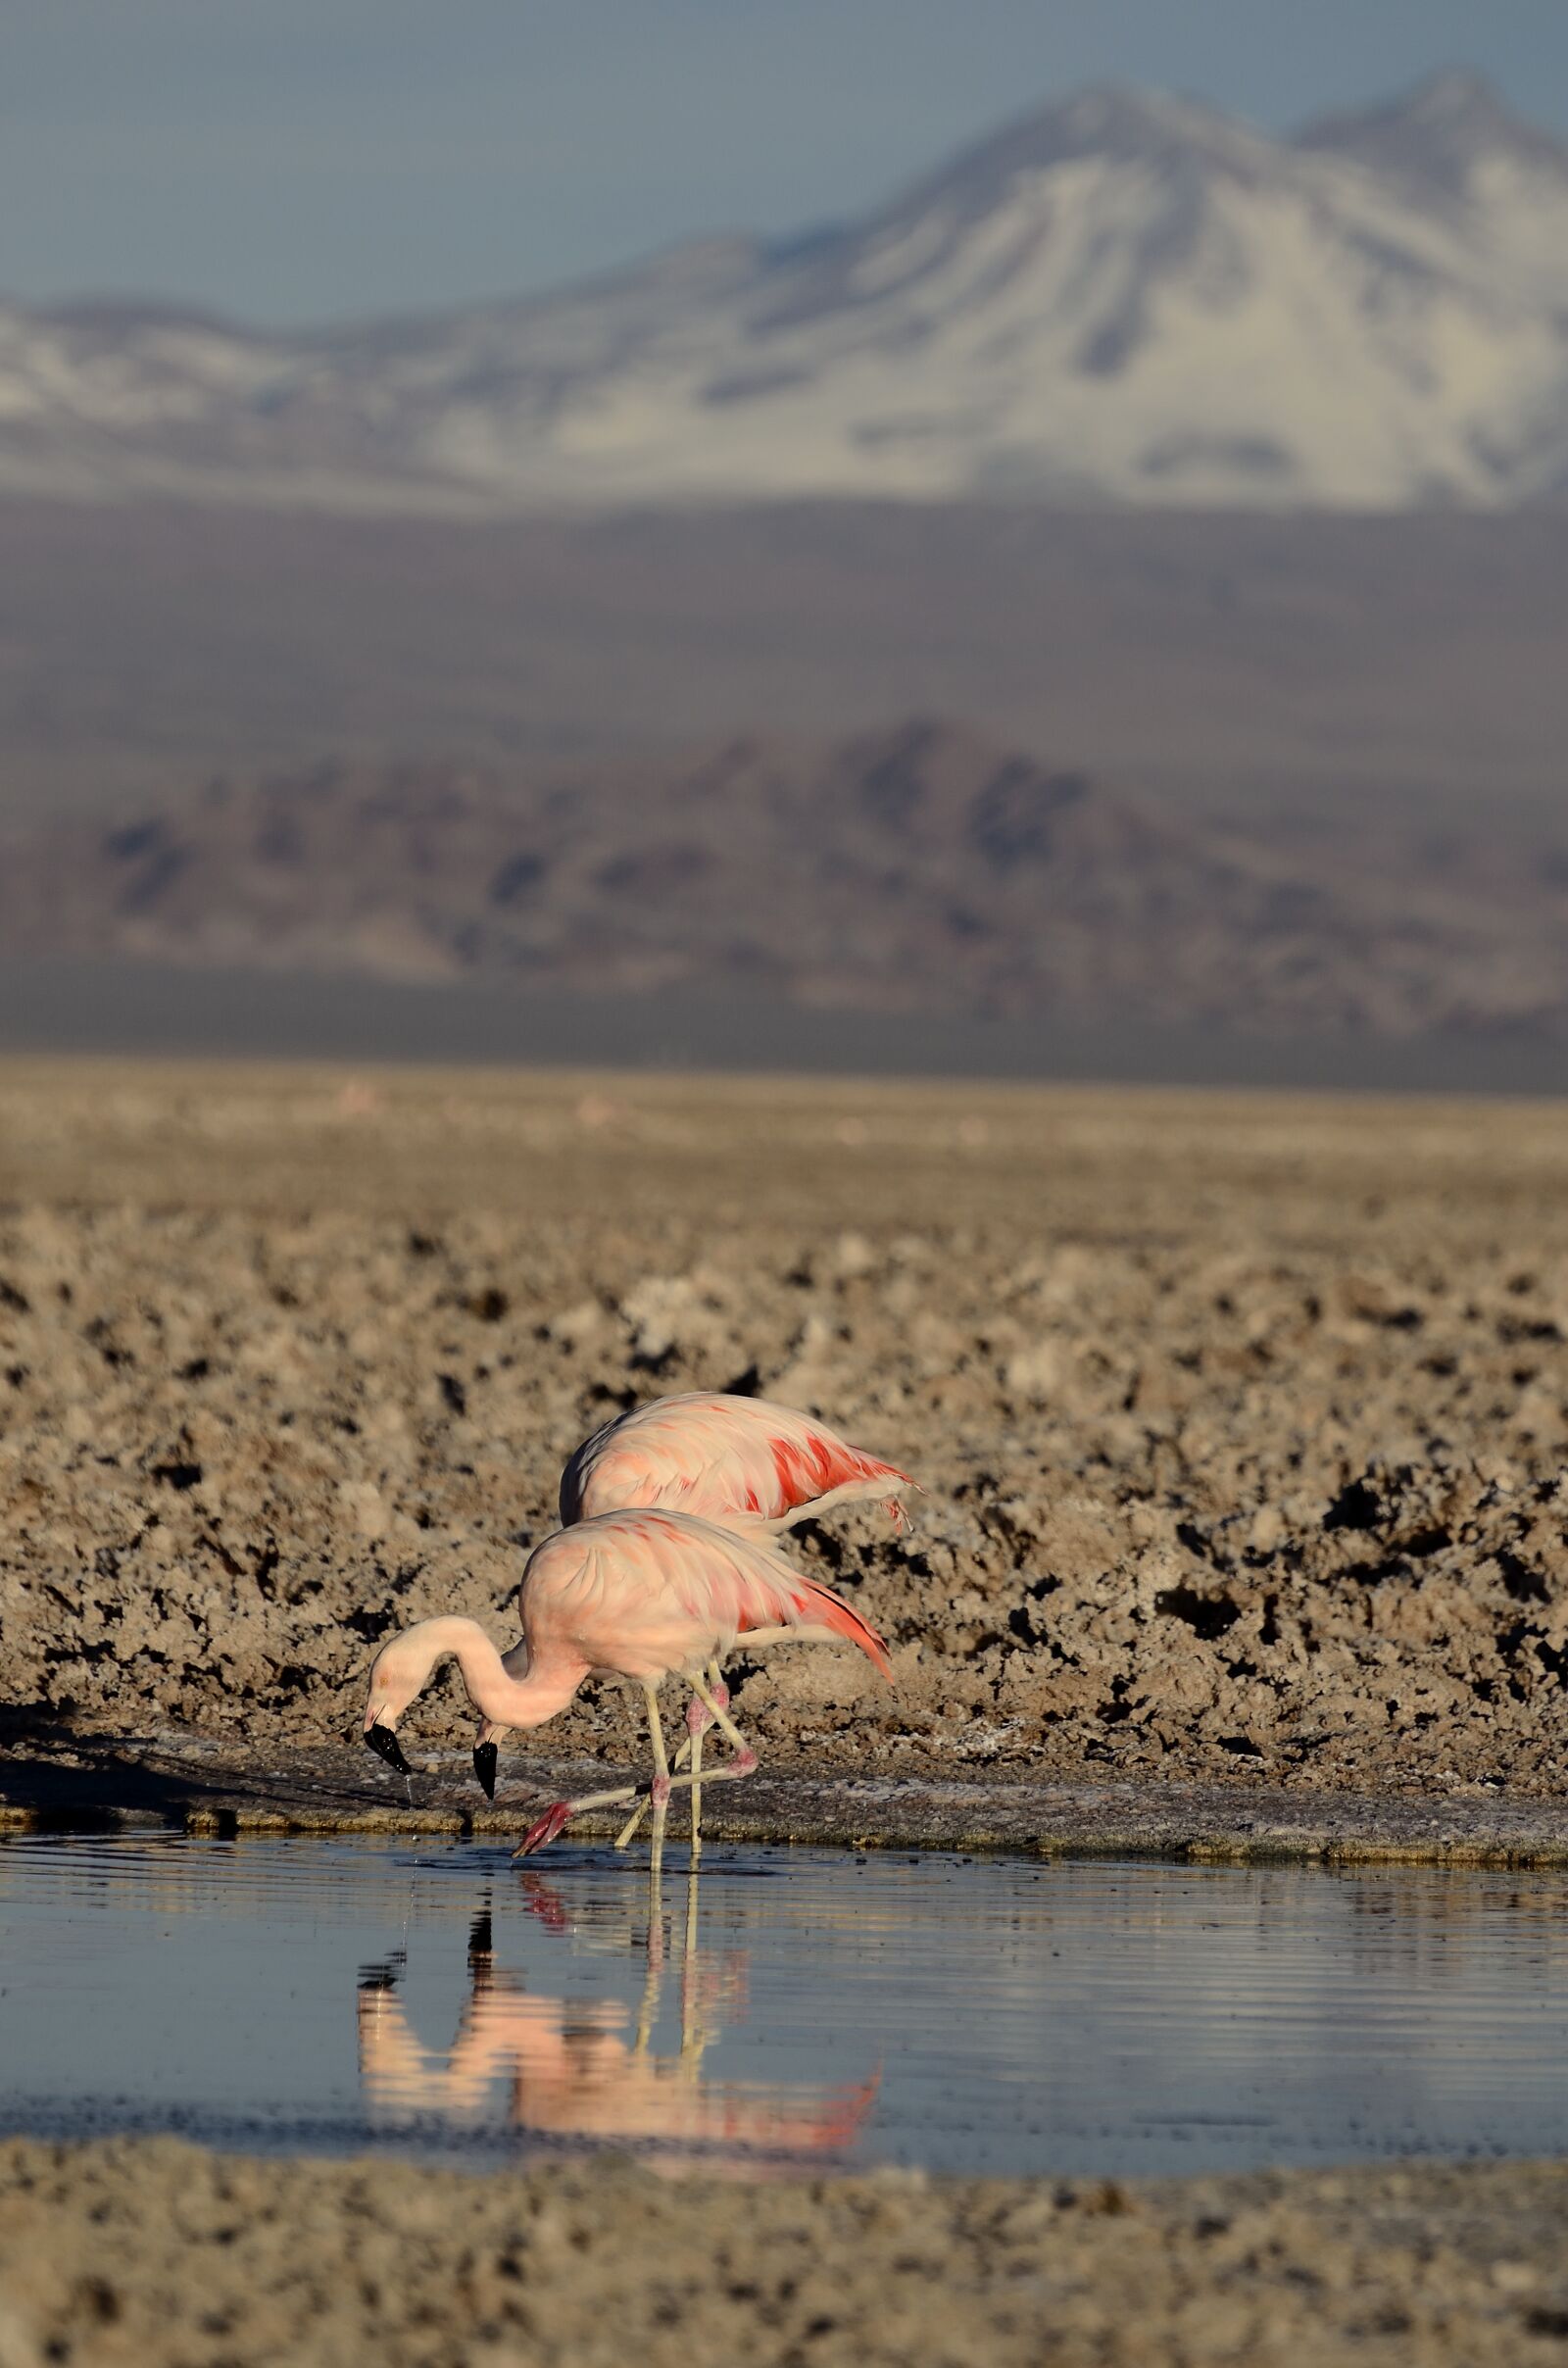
[299, 160]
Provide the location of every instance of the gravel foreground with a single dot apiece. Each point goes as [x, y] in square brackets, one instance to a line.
[150, 2251]
[1244, 1421]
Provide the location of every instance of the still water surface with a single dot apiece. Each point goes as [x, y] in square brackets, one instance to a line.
[791, 2006]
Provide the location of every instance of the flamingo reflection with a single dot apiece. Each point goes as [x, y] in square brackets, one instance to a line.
[590, 2071]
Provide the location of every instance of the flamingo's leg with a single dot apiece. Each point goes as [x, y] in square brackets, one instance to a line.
[717, 1703]
[734, 1770]
[643, 1800]
[557, 1817]
[661, 1793]
[697, 1719]
[560, 1815]
[658, 1794]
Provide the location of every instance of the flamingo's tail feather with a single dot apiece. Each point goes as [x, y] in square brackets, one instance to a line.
[833, 1612]
[817, 1463]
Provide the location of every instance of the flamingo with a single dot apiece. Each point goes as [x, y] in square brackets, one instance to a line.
[633, 1594]
[743, 1463]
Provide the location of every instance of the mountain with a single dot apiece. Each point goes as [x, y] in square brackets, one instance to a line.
[917, 869]
[1451, 138]
[1122, 298]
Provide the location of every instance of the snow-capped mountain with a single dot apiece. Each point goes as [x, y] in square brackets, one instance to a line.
[1124, 298]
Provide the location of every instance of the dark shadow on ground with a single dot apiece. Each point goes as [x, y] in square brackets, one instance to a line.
[54, 1776]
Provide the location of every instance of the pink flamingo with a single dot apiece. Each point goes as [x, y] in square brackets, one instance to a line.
[633, 1594]
[741, 1462]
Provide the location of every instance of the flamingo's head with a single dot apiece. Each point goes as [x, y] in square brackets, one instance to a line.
[398, 1675]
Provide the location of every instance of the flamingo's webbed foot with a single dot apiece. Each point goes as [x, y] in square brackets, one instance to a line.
[544, 1829]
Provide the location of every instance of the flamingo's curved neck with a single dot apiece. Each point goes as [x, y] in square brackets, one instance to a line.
[509, 1690]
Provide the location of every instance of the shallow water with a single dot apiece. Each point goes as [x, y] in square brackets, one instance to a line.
[795, 2006]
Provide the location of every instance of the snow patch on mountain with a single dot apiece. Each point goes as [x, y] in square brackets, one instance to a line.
[1125, 298]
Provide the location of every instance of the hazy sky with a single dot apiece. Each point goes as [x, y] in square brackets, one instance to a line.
[289, 160]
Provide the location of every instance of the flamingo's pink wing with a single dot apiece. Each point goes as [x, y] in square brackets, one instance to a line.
[714, 1457]
[723, 1581]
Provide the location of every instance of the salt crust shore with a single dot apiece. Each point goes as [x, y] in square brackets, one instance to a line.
[116, 2254]
[198, 1787]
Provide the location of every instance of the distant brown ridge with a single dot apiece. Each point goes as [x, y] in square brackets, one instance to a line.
[923, 867]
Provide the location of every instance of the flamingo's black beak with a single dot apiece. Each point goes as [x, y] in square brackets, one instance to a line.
[484, 1767]
[385, 1744]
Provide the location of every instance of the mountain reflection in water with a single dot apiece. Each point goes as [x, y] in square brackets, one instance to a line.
[555, 2067]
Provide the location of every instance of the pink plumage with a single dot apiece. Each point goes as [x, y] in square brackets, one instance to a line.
[739, 1462]
[639, 1593]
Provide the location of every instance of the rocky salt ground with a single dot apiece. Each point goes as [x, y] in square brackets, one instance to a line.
[129, 2252]
[1244, 1424]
